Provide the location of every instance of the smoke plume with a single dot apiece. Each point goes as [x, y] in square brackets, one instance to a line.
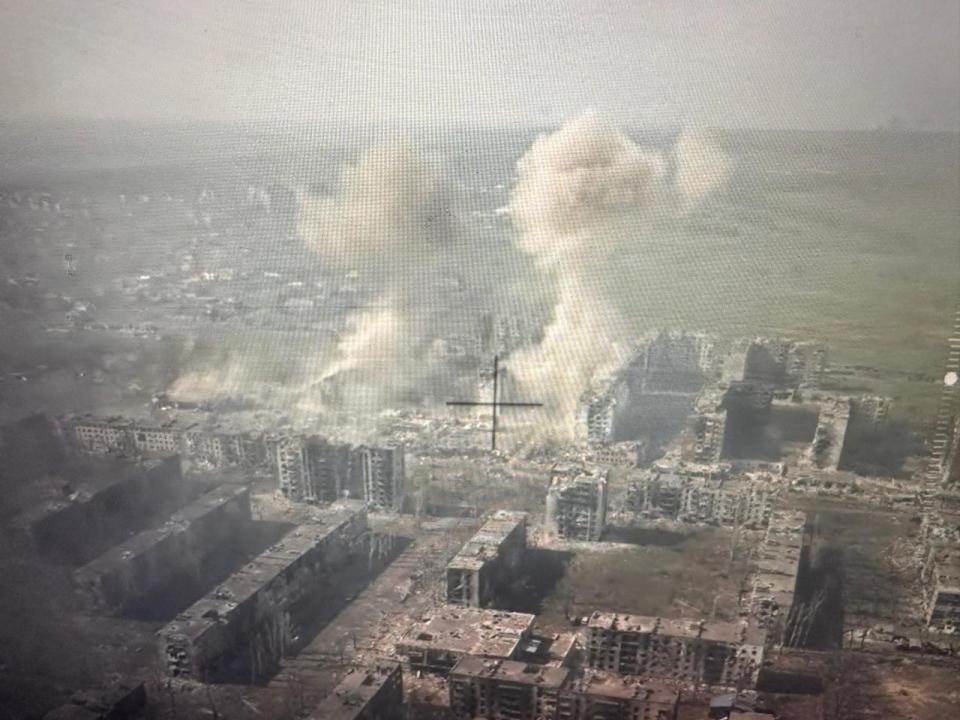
[585, 201]
[581, 200]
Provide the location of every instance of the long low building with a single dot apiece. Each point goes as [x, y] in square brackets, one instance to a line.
[510, 690]
[488, 561]
[243, 627]
[724, 654]
[436, 643]
[374, 694]
[131, 570]
[774, 584]
[103, 502]
[941, 586]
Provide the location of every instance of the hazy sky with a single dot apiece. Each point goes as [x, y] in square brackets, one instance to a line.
[799, 63]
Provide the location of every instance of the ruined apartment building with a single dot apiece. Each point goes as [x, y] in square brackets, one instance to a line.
[576, 507]
[293, 468]
[941, 586]
[243, 627]
[312, 469]
[508, 690]
[726, 654]
[595, 415]
[826, 450]
[201, 449]
[626, 454]
[365, 694]
[709, 426]
[489, 561]
[437, 642]
[715, 500]
[384, 477]
[103, 501]
[183, 547]
[784, 547]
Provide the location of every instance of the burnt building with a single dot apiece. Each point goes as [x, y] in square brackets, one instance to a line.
[576, 507]
[774, 583]
[717, 653]
[181, 550]
[489, 561]
[293, 468]
[826, 450]
[510, 690]
[102, 502]
[102, 438]
[367, 694]
[941, 586]
[686, 497]
[436, 643]
[384, 475]
[242, 628]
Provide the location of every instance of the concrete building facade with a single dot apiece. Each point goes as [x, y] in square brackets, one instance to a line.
[576, 507]
[715, 654]
[243, 627]
[116, 498]
[510, 690]
[437, 642]
[372, 694]
[941, 586]
[128, 572]
[488, 562]
[384, 477]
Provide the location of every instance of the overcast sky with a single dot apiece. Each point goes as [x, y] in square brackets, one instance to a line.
[799, 63]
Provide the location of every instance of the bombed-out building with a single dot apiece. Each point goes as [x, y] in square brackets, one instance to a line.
[489, 561]
[183, 546]
[727, 654]
[826, 450]
[384, 477]
[576, 507]
[806, 362]
[870, 413]
[102, 503]
[784, 546]
[243, 627]
[367, 694]
[941, 586]
[595, 417]
[510, 690]
[437, 642]
[293, 468]
[687, 497]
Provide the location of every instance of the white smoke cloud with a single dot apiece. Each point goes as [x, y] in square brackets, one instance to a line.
[579, 198]
[385, 214]
[701, 167]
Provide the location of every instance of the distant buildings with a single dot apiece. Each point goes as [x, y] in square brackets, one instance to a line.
[308, 468]
[576, 507]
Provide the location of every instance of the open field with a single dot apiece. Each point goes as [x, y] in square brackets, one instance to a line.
[673, 574]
